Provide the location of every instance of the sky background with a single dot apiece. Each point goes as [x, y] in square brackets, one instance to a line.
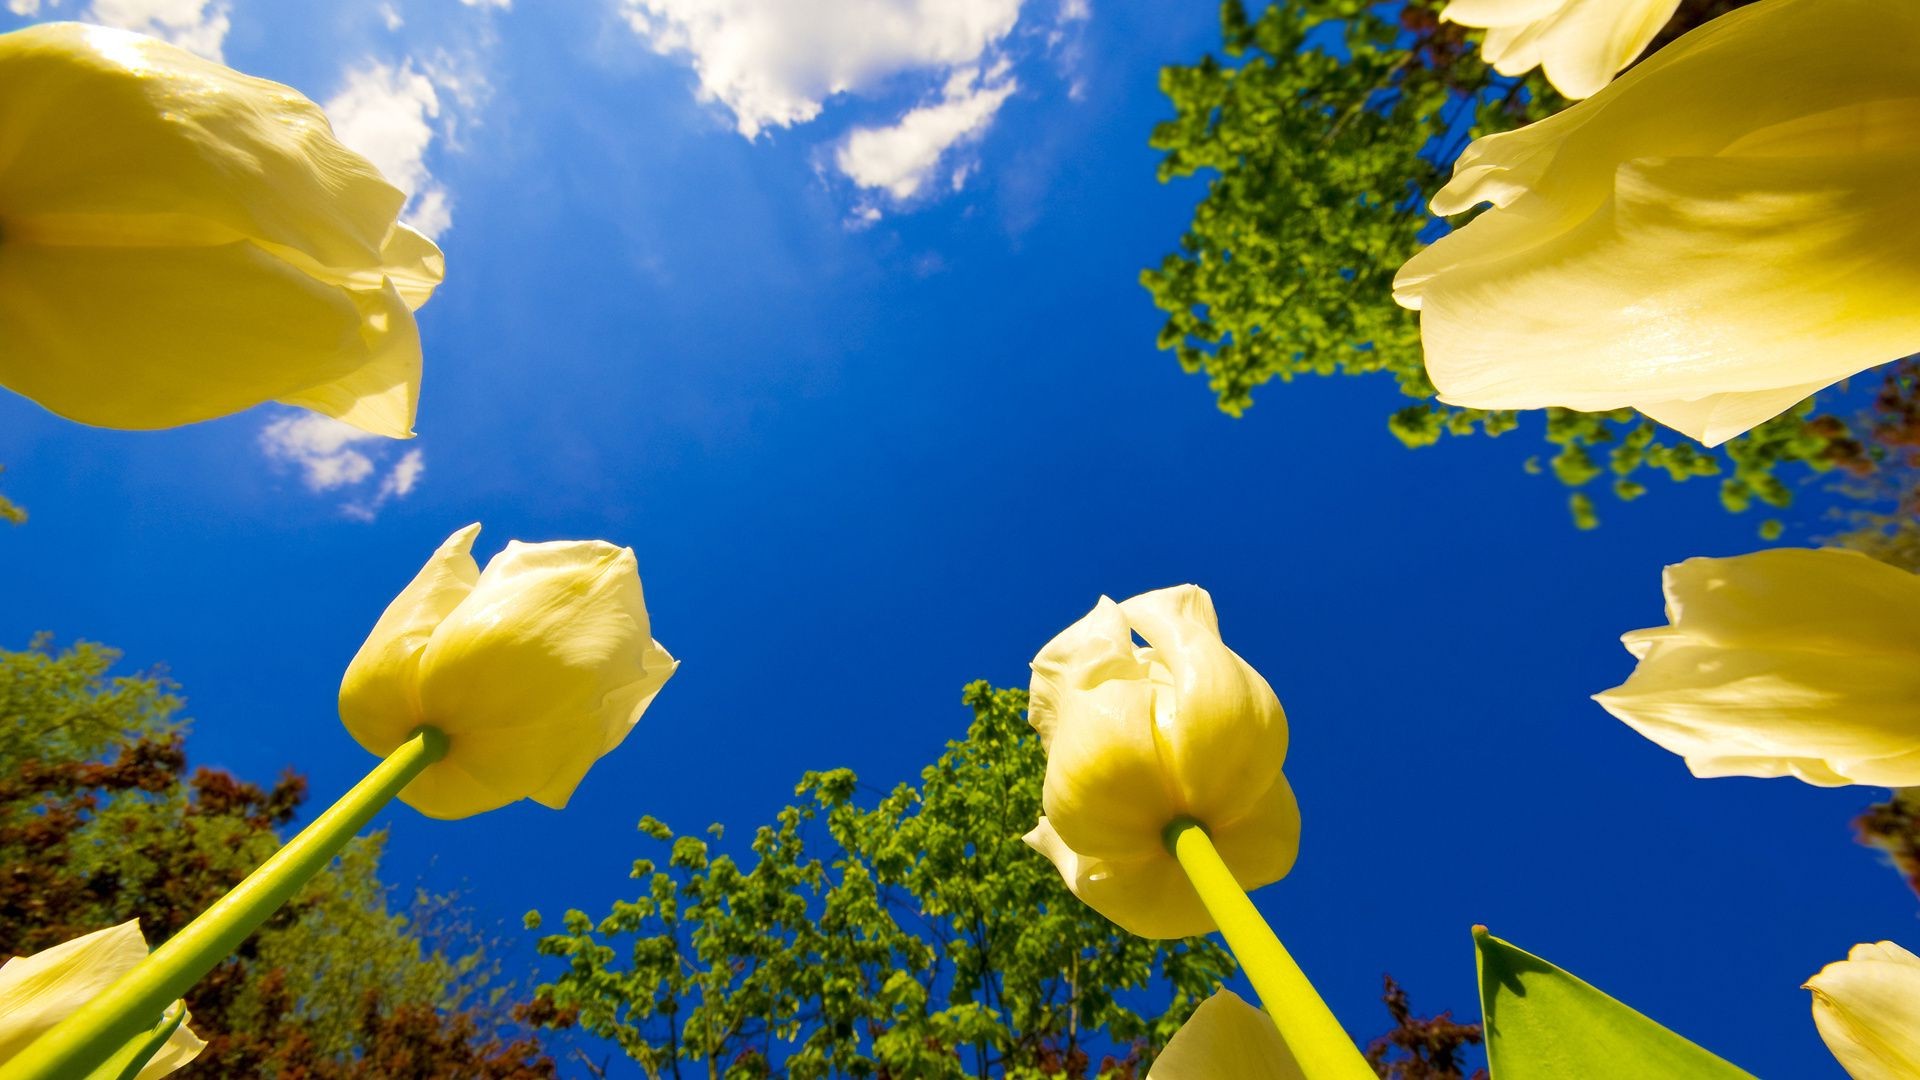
[830, 311]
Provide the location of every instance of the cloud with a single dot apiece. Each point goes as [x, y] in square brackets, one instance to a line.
[497, 5]
[332, 456]
[196, 25]
[775, 63]
[388, 112]
[901, 157]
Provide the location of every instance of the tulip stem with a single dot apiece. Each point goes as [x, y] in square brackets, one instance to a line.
[1312, 1034]
[88, 1037]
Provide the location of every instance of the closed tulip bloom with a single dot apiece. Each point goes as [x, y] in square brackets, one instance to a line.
[179, 241]
[1719, 233]
[1867, 1008]
[534, 669]
[1226, 1039]
[39, 991]
[1139, 737]
[1580, 44]
[1789, 662]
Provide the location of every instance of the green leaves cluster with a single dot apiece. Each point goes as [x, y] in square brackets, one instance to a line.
[1322, 133]
[918, 937]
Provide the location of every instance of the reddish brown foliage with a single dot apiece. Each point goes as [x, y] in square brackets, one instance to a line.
[1421, 1048]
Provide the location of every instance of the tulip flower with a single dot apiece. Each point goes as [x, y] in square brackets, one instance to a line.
[1164, 801]
[1718, 234]
[179, 241]
[478, 688]
[1580, 44]
[1788, 662]
[1226, 1039]
[38, 991]
[1867, 1008]
[1138, 738]
[533, 669]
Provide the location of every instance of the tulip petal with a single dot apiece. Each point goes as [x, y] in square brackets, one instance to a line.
[1095, 649]
[170, 133]
[379, 700]
[1261, 845]
[1148, 895]
[1219, 729]
[1824, 600]
[543, 668]
[1226, 1039]
[210, 331]
[1867, 1009]
[38, 991]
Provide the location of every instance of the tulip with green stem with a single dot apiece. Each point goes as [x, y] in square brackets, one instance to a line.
[478, 688]
[1164, 800]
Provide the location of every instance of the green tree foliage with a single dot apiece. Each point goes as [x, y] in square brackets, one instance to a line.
[920, 937]
[1322, 131]
[11, 512]
[100, 822]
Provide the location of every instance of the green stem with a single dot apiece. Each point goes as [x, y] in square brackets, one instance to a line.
[133, 1004]
[1314, 1036]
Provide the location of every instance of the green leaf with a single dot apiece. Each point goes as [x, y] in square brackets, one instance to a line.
[1544, 1024]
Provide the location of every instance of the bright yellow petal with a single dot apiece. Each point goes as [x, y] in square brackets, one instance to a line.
[169, 133]
[156, 337]
[1722, 228]
[38, 991]
[1260, 846]
[543, 668]
[1483, 13]
[1226, 1039]
[1097, 648]
[1582, 45]
[1219, 729]
[382, 394]
[1107, 789]
[1148, 896]
[1815, 599]
[380, 693]
[1867, 1008]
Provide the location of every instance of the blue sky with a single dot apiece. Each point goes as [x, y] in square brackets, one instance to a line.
[874, 396]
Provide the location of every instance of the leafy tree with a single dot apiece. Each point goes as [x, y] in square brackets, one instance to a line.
[10, 511]
[100, 822]
[1323, 131]
[919, 938]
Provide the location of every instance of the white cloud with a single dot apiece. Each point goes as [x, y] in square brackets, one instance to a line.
[24, 7]
[391, 16]
[497, 5]
[196, 25]
[332, 456]
[901, 157]
[388, 112]
[774, 63]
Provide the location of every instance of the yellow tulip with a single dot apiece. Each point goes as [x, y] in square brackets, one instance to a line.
[179, 241]
[1140, 737]
[1789, 662]
[1226, 1039]
[533, 669]
[1719, 233]
[1867, 1008]
[1581, 44]
[38, 991]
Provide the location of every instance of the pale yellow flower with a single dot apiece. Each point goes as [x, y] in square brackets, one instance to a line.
[1867, 1008]
[1226, 1039]
[1719, 233]
[1138, 737]
[39, 991]
[1789, 662]
[534, 669]
[179, 241]
[1580, 44]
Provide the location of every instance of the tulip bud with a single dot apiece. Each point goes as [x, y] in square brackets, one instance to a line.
[1581, 44]
[1867, 1008]
[1138, 738]
[39, 991]
[1789, 662]
[1720, 232]
[179, 241]
[533, 669]
[1226, 1039]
